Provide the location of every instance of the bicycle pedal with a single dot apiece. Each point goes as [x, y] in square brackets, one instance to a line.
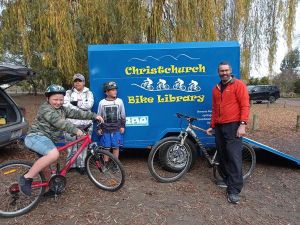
[49, 194]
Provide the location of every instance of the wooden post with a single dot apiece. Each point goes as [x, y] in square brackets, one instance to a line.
[251, 103]
[254, 122]
[298, 123]
[284, 106]
[268, 105]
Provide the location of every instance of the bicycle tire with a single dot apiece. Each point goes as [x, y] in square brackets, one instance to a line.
[194, 152]
[162, 174]
[104, 170]
[247, 154]
[13, 168]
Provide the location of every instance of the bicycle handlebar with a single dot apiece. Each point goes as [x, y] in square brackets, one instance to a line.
[86, 128]
[190, 120]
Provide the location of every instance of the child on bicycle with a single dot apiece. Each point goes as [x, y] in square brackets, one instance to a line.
[50, 121]
[112, 110]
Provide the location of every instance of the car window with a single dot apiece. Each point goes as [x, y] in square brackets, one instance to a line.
[257, 89]
[250, 87]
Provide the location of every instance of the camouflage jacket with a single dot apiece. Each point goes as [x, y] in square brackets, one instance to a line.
[51, 121]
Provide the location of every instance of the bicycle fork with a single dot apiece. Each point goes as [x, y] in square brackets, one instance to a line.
[189, 130]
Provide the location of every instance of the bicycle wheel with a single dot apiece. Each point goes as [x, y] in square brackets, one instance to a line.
[105, 170]
[13, 201]
[168, 160]
[248, 165]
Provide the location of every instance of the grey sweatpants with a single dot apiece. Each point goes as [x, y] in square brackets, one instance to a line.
[79, 163]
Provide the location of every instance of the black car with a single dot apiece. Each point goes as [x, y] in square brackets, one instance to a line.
[260, 93]
[12, 122]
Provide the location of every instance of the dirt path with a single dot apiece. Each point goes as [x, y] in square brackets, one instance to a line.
[271, 196]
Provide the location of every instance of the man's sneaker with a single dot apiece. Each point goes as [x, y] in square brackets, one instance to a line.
[221, 183]
[233, 198]
[25, 185]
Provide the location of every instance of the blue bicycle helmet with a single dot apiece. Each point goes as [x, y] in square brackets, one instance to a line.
[54, 89]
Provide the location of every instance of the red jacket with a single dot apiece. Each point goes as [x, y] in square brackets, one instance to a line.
[232, 105]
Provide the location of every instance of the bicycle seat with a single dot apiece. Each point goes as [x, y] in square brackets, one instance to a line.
[188, 118]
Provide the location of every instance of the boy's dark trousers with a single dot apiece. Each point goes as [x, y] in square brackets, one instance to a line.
[229, 148]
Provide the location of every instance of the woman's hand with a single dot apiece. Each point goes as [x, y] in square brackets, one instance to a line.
[79, 133]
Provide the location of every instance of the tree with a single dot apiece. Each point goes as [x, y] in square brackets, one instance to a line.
[52, 36]
[253, 81]
[264, 81]
[257, 81]
[291, 61]
[289, 76]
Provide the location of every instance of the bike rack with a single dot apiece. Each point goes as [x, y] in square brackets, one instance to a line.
[272, 150]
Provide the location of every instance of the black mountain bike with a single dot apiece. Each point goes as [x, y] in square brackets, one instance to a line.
[171, 157]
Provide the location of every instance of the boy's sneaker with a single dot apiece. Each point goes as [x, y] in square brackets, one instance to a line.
[81, 170]
[25, 185]
[221, 183]
[104, 167]
[115, 168]
[233, 198]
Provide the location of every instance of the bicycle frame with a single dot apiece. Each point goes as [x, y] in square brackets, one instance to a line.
[189, 130]
[86, 140]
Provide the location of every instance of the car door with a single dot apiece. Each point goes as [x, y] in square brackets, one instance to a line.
[12, 122]
[254, 93]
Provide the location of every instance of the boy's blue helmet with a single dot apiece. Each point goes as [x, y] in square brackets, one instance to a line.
[109, 86]
[54, 89]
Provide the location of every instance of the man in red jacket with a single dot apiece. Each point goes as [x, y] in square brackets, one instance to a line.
[230, 112]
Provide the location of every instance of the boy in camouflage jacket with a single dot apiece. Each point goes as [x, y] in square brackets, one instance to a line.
[45, 130]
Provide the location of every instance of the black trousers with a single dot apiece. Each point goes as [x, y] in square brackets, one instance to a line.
[229, 148]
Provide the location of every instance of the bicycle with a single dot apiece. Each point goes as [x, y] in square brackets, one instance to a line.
[171, 157]
[193, 87]
[106, 175]
[147, 85]
[178, 86]
[161, 86]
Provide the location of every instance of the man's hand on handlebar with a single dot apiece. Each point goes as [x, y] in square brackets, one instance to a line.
[210, 131]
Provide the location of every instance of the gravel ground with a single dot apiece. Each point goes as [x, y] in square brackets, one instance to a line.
[270, 196]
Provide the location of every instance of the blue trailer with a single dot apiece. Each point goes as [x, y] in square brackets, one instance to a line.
[157, 80]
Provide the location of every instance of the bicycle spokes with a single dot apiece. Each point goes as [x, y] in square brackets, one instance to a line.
[13, 201]
[105, 171]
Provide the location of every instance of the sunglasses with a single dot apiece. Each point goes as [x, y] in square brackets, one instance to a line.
[77, 80]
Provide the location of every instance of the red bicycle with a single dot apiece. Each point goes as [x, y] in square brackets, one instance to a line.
[106, 174]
